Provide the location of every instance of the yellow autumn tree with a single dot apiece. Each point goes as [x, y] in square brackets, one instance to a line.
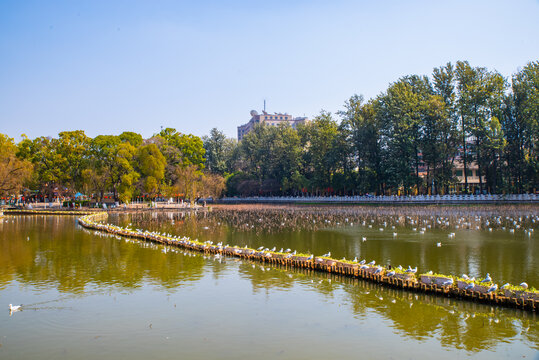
[13, 171]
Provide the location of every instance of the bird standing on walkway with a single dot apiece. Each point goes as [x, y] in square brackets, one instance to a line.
[410, 270]
[448, 282]
[487, 279]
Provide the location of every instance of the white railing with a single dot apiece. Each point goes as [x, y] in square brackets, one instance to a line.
[388, 199]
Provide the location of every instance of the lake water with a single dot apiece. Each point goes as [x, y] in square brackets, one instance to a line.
[86, 295]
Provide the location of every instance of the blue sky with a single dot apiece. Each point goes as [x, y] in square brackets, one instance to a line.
[110, 66]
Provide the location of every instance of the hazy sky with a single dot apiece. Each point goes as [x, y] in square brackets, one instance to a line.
[110, 66]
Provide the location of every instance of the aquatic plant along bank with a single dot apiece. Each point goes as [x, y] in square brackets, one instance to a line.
[408, 279]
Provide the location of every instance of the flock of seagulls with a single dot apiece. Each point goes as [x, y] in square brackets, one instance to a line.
[417, 224]
[488, 279]
[271, 219]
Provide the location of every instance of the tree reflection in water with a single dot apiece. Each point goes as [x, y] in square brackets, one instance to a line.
[53, 252]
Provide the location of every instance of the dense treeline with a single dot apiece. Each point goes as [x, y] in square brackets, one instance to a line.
[410, 139]
[169, 164]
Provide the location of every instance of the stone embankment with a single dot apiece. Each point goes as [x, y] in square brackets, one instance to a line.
[442, 285]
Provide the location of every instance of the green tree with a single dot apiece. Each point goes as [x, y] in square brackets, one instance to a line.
[444, 136]
[49, 165]
[400, 117]
[151, 164]
[72, 157]
[359, 120]
[438, 143]
[132, 138]
[481, 96]
[524, 118]
[182, 149]
[179, 150]
[320, 137]
[218, 151]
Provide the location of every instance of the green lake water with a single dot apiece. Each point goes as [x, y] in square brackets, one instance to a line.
[86, 295]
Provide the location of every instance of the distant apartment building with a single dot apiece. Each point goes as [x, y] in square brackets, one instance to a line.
[274, 119]
[472, 172]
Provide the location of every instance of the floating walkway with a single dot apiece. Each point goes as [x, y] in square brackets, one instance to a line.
[441, 285]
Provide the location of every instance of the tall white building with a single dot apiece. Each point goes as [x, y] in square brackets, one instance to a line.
[270, 119]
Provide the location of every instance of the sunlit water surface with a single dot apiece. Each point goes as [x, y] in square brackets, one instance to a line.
[87, 296]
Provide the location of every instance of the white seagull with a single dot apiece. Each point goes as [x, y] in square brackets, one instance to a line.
[487, 279]
[14, 308]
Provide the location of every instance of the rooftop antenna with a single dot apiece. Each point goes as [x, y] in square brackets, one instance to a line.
[264, 105]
